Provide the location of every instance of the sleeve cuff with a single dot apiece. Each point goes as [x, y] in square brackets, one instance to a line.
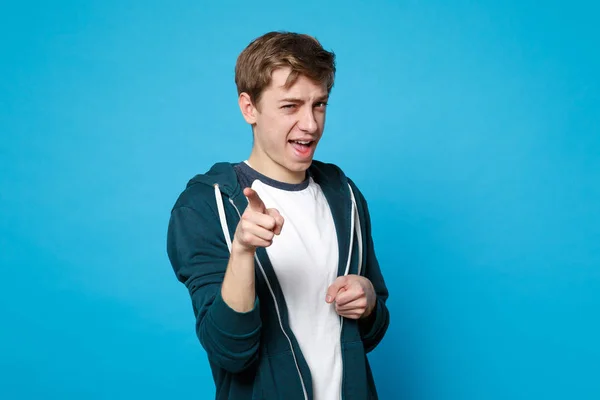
[232, 322]
[367, 325]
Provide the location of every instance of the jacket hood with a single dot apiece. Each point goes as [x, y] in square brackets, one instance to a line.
[221, 174]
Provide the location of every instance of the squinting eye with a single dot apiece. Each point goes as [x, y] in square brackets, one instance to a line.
[288, 106]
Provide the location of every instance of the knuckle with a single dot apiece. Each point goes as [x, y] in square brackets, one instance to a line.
[247, 225]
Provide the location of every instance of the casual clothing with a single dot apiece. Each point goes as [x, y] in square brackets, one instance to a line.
[305, 259]
[270, 352]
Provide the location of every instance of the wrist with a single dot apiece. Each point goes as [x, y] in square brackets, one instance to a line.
[240, 251]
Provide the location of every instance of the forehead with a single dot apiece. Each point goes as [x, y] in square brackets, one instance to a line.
[302, 87]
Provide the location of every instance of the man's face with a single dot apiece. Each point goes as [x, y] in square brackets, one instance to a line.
[288, 124]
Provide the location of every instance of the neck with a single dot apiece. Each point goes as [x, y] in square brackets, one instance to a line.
[275, 171]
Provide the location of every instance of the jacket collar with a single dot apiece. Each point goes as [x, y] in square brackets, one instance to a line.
[329, 177]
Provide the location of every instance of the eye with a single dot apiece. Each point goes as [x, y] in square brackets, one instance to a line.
[321, 104]
[288, 106]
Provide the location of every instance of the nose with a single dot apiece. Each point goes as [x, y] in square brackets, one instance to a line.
[307, 121]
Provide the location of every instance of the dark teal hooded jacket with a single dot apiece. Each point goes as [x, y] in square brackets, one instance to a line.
[255, 355]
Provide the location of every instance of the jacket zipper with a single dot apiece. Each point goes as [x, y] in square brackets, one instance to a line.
[351, 245]
[354, 228]
[278, 314]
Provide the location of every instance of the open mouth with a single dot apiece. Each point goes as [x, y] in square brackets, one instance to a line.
[304, 143]
[302, 147]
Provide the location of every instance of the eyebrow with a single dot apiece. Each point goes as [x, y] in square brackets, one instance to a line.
[296, 100]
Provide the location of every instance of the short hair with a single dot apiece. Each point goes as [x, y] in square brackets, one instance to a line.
[302, 53]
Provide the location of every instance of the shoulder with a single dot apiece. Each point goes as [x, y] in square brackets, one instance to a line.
[332, 172]
[199, 192]
[327, 168]
[196, 196]
[328, 173]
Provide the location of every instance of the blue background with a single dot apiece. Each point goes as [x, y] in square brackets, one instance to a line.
[472, 128]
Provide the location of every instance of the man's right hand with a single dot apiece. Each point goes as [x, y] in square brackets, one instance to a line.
[258, 225]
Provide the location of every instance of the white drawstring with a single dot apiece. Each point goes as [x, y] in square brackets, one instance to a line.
[222, 217]
[358, 231]
[354, 225]
[352, 217]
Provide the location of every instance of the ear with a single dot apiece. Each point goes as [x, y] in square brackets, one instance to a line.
[247, 108]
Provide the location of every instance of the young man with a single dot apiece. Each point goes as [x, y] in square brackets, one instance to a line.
[276, 251]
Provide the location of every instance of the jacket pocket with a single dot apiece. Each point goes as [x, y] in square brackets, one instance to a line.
[279, 377]
[355, 382]
[257, 392]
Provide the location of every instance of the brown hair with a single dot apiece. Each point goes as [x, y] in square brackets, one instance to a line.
[302, 53]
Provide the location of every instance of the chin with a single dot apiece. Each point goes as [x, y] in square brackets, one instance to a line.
[299, 166]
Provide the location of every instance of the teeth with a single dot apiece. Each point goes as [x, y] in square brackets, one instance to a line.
[301, 142]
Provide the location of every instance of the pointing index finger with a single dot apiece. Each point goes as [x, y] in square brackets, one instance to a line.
[254, 201]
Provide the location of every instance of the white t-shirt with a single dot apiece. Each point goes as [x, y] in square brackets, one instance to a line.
[305, 259]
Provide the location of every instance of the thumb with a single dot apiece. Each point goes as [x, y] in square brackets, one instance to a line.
[334, 288]
[254, 200]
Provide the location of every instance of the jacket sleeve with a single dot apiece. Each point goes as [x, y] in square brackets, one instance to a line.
[374, 327]
[199, 256]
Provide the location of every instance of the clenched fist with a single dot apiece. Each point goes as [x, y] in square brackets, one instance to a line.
[354, 296]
